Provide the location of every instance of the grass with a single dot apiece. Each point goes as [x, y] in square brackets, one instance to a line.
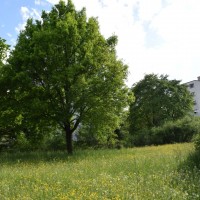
[162, 172]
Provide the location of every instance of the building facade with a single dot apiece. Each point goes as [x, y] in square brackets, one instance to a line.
[194, 88]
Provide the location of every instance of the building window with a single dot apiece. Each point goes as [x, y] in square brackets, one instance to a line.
[191, 85]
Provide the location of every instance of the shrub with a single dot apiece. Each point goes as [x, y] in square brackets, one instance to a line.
[197, 142]
[178, 131]
[182, 130]
[22, 143]
[55, 142]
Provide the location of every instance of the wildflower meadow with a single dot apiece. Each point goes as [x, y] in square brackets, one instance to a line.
[157, 172]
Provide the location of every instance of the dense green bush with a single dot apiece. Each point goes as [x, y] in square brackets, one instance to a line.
[141, 138]
[41, 140]
[182, 130]
[87, 138]
[197, 142]
[22, 143]
[55, 142]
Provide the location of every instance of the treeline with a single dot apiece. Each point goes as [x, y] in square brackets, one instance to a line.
[63, 86]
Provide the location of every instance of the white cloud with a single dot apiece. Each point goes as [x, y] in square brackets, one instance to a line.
[176, 23]
[9, 35]
[40, 2]
[52, 1]
[157, 36]
[12, 39]
[20, 27]
[149, 9]
[37, 2]
[179, 25]
[26, 14]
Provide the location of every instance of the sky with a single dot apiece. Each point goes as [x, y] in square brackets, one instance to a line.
[155, 36]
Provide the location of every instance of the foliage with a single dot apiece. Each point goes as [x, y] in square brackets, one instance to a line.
[63, 72]
[157, 101]
[181, 130]
[138, 173]
[98, 136]
[6, 129]
[197, 142]
[54, 140]
[22, 144]
[122, 132]
[196, 139]
[3, 51]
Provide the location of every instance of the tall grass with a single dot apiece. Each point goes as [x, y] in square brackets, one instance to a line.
[162, 172]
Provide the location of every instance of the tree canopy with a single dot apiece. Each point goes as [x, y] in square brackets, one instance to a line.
[3, 50]
[3, 54]
[63, 72]
[158, 100]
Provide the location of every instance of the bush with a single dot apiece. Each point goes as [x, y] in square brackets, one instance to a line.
[142, 138]
[22, 143]
[55, 142]
[196, 139]
[182, 130]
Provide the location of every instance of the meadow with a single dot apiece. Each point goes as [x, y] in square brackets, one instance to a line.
[147, 173]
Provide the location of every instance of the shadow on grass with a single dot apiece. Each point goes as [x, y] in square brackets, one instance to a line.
[41, 156]
[187, 178]
[54, 156]
[32, 157]
[192, 161]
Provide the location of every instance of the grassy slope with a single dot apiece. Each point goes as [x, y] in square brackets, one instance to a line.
[140, 173]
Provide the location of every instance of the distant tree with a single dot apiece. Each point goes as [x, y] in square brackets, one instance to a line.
[158, 100]
[63, 72]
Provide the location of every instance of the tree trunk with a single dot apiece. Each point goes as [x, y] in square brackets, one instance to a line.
[68, 135]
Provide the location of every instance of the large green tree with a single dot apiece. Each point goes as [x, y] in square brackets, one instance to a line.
[158, 100]
[63, 72]
[4, 48]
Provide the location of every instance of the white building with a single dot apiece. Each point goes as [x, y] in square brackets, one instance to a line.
[194, 88]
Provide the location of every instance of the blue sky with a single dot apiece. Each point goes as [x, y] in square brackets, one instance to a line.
[13, 15]
[157, 36]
